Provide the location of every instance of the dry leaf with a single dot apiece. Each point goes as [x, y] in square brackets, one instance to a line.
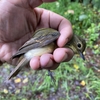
[18, 80]
[5, 91]
[25, 80]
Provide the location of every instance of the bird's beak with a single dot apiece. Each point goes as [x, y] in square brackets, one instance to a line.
[81, 54]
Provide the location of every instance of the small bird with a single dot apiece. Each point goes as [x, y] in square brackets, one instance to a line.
[44, 41]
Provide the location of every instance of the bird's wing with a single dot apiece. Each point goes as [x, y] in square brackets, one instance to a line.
[40, 39]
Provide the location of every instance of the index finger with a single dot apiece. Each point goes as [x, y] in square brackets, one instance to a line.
[65, 28]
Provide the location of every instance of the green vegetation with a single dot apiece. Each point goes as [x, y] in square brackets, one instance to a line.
[75, 80]
[93, 3]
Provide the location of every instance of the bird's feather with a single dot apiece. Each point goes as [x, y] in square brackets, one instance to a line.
[40, 39]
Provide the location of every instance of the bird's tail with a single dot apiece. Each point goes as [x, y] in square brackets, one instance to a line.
[21, 65]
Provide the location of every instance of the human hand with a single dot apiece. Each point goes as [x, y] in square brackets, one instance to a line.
[19, 20]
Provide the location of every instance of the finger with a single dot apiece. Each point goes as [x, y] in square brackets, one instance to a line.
[62, 54]
[35, 63]
[35, 3]
[44, 62]
[61, 24]
[47, 62]
[66, 32]
[49, 0]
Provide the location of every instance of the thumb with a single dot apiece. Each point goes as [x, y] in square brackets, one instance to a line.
[35, 3]
[25, 3]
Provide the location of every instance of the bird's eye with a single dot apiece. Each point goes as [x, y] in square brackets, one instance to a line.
[79, 45]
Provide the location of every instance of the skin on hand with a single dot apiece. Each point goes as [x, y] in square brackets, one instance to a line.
[19, 19]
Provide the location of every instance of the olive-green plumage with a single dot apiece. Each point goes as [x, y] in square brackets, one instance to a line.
[77, 44]
[43, 42]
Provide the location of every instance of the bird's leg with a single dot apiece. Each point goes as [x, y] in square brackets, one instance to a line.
[50, 74]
